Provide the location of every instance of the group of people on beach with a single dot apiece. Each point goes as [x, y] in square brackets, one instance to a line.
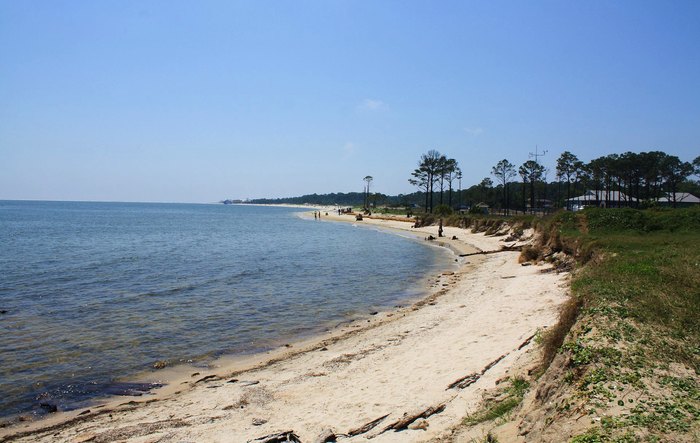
[317, 215]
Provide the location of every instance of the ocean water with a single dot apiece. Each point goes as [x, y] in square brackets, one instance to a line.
[93, 292]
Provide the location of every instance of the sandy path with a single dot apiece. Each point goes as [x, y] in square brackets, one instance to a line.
[396, 363]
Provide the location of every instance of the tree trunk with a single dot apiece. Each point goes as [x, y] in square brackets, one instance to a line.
[507, 202]
[431, 179]
[426, 198]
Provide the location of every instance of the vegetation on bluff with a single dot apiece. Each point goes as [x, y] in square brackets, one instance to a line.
[623, 363]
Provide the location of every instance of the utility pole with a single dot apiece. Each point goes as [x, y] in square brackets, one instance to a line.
[536, 155]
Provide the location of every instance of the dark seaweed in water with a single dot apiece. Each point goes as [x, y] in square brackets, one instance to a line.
[64, 398]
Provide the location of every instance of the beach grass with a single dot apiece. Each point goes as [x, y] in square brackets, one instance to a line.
[507, 399]
[637, 335]
[627, 342]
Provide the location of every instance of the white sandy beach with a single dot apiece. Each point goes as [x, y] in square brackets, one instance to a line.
[389, 365]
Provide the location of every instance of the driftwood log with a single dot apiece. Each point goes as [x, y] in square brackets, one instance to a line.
[503, 249]
[407, 419]
[472, 378]
[367, 426]
[527, 341]
[493, 363]
[207, 378]
[281, 437]
[465, 381]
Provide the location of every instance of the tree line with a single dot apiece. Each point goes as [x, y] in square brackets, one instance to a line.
[642, 178]
[628, 179]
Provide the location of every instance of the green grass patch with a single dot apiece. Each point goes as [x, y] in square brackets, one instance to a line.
[509, 398]
[653, 279]
[640, 316]
[647, 270]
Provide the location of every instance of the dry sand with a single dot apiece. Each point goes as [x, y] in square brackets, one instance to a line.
[392, 364]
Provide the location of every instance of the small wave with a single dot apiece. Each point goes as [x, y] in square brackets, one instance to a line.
[169, 291]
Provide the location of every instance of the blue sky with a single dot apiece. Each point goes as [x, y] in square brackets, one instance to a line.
[200, 101]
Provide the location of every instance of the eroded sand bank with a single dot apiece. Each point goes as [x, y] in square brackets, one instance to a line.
[395, 363]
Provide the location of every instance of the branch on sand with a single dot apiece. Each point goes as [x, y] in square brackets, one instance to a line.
[472, 378]
[367, 426]
[407, 419]
[503, 249]
[527, 341]
[281, 437]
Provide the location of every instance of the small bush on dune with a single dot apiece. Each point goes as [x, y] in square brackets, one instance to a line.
[424, 220]
[529, 253]
[554, 338]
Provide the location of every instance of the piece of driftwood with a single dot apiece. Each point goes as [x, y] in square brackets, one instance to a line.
[281, 437]
[472, 378]
[326, 436]
[208, 377]
[492, 364]
[407, 419]
[503, 249]
[367, 426]
[465, 381]
[527, 341]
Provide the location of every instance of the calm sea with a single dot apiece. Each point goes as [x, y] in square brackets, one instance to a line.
[93, 292]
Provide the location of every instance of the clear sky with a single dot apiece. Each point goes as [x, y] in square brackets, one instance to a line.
[203, 100]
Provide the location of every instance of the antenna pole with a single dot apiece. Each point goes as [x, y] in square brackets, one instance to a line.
[537, 154]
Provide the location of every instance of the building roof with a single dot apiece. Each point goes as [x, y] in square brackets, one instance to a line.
[590, 196]
[681, 197]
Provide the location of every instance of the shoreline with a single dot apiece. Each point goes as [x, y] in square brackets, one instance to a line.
[313, 364]
[153, 380]
[168, 378]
